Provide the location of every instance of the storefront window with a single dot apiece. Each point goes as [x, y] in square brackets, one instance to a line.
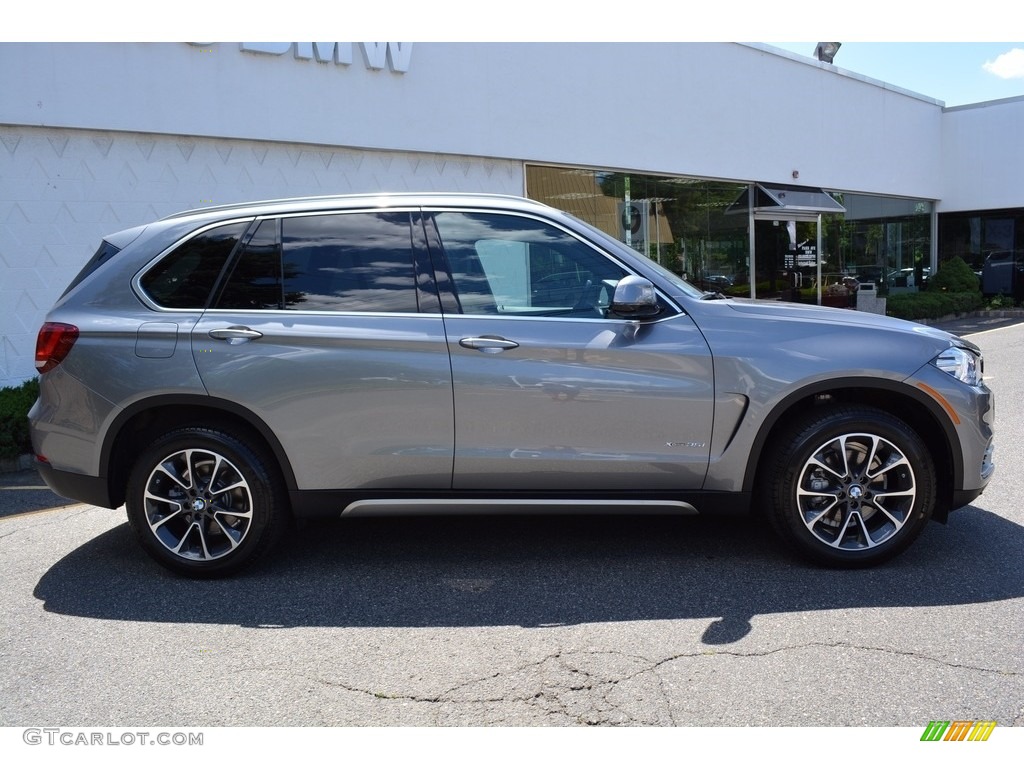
[880, 240]
[700, 230]
[680, 223]
[992, 244]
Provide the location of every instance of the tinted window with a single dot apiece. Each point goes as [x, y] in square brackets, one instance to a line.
[509, 265]
[355, 262]
[255, 279]
[185, 277]
[349, 262]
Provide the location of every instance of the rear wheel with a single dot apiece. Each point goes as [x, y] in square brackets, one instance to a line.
[203, 503]
[850, 487]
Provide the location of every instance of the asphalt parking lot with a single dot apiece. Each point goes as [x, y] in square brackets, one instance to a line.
[522, 621]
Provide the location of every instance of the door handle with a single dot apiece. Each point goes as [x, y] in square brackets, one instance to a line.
[236, 334]
[490, 344]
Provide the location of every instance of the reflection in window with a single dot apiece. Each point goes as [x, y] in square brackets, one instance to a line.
[184, 279]
[880, 240]
[255, 281]
[354, 262]
[512, 265]
[975, 235]
[680, 223]
[692, 228]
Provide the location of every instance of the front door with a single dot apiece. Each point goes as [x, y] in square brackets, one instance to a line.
[550, 393]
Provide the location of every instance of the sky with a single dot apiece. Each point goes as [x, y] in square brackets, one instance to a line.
[954, 73]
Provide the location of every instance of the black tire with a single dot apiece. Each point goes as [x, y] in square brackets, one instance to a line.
[849, 487]
[204, 503]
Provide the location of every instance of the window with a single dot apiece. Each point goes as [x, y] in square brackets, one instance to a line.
[510, 265]
[184, 279]
[356, 262]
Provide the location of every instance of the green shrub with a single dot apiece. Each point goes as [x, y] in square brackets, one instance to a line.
[999, 301]
[931, 304]
[954, 276]
[954, 288]
[15, 403]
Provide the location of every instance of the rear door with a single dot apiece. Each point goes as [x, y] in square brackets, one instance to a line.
[327, 327]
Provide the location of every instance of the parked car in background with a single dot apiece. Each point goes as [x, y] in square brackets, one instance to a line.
[909, 277]
[223, 371]
[714, 282]
[1002, 274]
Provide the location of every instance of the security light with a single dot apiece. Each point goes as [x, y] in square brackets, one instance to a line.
[826, 51]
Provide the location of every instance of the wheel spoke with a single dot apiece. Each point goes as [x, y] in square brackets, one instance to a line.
[163, 500]
[174, 476]
[201, 530]
[827, 450]
[815, 461]
[898, 461]
[222, 510]
[881, 508]
[213, 474]
[818, 514]
[869, 461]
[193, 475]
[864, 530]
[160, 521]
[233, 536]
[233, 486]
[184, 538]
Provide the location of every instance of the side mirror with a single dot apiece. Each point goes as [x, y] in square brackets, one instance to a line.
[635, 298]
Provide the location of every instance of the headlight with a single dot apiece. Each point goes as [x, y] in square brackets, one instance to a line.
[961, 364]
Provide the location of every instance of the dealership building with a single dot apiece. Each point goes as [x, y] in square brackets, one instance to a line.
[750, 170]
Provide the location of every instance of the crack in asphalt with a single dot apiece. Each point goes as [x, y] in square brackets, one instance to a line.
[44, 521]
[571, 690]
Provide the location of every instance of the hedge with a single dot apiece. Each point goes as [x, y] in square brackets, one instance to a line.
[931, 304]
[15, 403]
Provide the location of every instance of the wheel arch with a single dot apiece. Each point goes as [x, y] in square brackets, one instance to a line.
[140, 423]
[919, 410]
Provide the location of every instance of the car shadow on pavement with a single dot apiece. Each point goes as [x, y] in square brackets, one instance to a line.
[535, 572]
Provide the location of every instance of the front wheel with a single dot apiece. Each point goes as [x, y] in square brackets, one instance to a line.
[203, 503]
[850, 487]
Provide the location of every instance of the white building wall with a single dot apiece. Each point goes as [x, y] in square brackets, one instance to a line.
[62, 190]
[721, 110]
[95, 137]
[983, 156]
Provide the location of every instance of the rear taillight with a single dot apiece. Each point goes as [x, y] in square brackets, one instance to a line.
[53, 344]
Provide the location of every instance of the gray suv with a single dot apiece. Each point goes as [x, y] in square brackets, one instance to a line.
[223, 371]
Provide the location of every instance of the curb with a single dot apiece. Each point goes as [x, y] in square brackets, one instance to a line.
[991, 313]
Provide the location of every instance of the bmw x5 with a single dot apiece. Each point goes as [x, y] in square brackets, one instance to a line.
[223, 371]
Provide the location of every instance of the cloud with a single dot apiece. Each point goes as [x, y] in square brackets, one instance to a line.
[1008, 66]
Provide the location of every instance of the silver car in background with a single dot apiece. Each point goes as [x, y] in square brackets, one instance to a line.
[223, 371]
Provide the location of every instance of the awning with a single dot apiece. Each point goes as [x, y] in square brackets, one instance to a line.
[780, 200]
